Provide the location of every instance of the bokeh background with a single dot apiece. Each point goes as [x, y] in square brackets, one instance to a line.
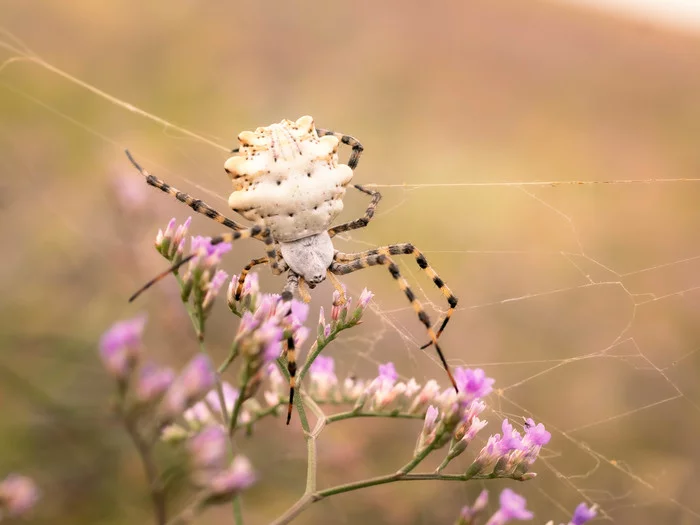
[486, 125]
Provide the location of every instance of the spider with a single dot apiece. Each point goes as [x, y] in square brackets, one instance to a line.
[288, 181]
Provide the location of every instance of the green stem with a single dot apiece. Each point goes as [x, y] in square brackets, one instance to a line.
[350, 414]
[243, 387]
[308, 499]
[150, 469]
[233, 354]
[237, 510]
[319, 345]
[197, 324]
[190, 511]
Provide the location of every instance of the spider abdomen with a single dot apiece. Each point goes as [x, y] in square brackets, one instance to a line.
[287, 177]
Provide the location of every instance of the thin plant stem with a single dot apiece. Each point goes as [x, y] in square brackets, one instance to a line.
[190, 511]
[351, 414]
[237, 510]
[238, 404]
[197, 324]
[150, 469]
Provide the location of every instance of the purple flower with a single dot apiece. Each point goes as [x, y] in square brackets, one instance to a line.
[324, 329]
[120, 346]
[171, 242]
[427, 434]
[387, 372]
[193, 383]
[323, 378]
[237, 477]
[213, 288]
[512, 508]
[365, 298]
[299, 313]
[339, 307]
[153, 382]
[213, 400]
[582, 514]
[208, 449]
[166, 236]
[18, 494]
[511, 439]
[431, 416]
[535, 434]
[469, 513]
[474, 428]
[198, 377]
[473, 382]
[250, 285]
[208, 411]
[427, 395]
[322, 367]
[210, 253]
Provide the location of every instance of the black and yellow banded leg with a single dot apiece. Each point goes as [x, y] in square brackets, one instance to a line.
[362, 221]
[245, 271]
[345, 139]
[290, 352]
[196, 204]
[409, 249]
[342, 299]
[291, 356]
[254, 232]
[352, 262]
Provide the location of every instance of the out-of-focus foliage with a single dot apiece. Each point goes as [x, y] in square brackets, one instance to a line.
[570, 295]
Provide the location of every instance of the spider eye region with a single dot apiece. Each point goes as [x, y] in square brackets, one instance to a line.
[309, 257]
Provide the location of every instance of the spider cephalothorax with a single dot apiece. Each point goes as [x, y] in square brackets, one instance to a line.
[288, 181]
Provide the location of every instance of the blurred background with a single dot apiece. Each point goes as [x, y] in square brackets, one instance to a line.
[536, 151]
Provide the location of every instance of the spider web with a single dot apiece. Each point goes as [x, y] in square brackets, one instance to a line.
[578, 290]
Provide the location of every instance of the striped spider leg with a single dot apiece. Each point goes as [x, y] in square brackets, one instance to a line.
[344, 263]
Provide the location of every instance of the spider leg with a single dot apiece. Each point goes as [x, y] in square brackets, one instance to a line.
[338, 286]
[257, 231]
[196, 204]
[290, 352]
[203, 208]
[292, 369]
[357, 148]
[348, 263]
[409, 249]
[362, 221]
[249, 266]
[304, 291]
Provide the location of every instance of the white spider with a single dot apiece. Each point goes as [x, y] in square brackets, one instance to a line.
[287, 180]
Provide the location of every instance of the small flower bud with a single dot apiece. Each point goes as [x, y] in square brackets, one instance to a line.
[120, 347]
[193, 383]
[152, 383]
[237, 477]
[208, 451]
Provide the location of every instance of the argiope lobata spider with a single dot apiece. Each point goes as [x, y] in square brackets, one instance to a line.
[288, 181]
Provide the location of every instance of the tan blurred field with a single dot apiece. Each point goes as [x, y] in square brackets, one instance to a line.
[581, 300]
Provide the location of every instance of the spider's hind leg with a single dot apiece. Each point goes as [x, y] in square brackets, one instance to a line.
[351, 262]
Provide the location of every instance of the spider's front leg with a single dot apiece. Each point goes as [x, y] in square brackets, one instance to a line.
[196, 204]
[257, 231]
[355, 144]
